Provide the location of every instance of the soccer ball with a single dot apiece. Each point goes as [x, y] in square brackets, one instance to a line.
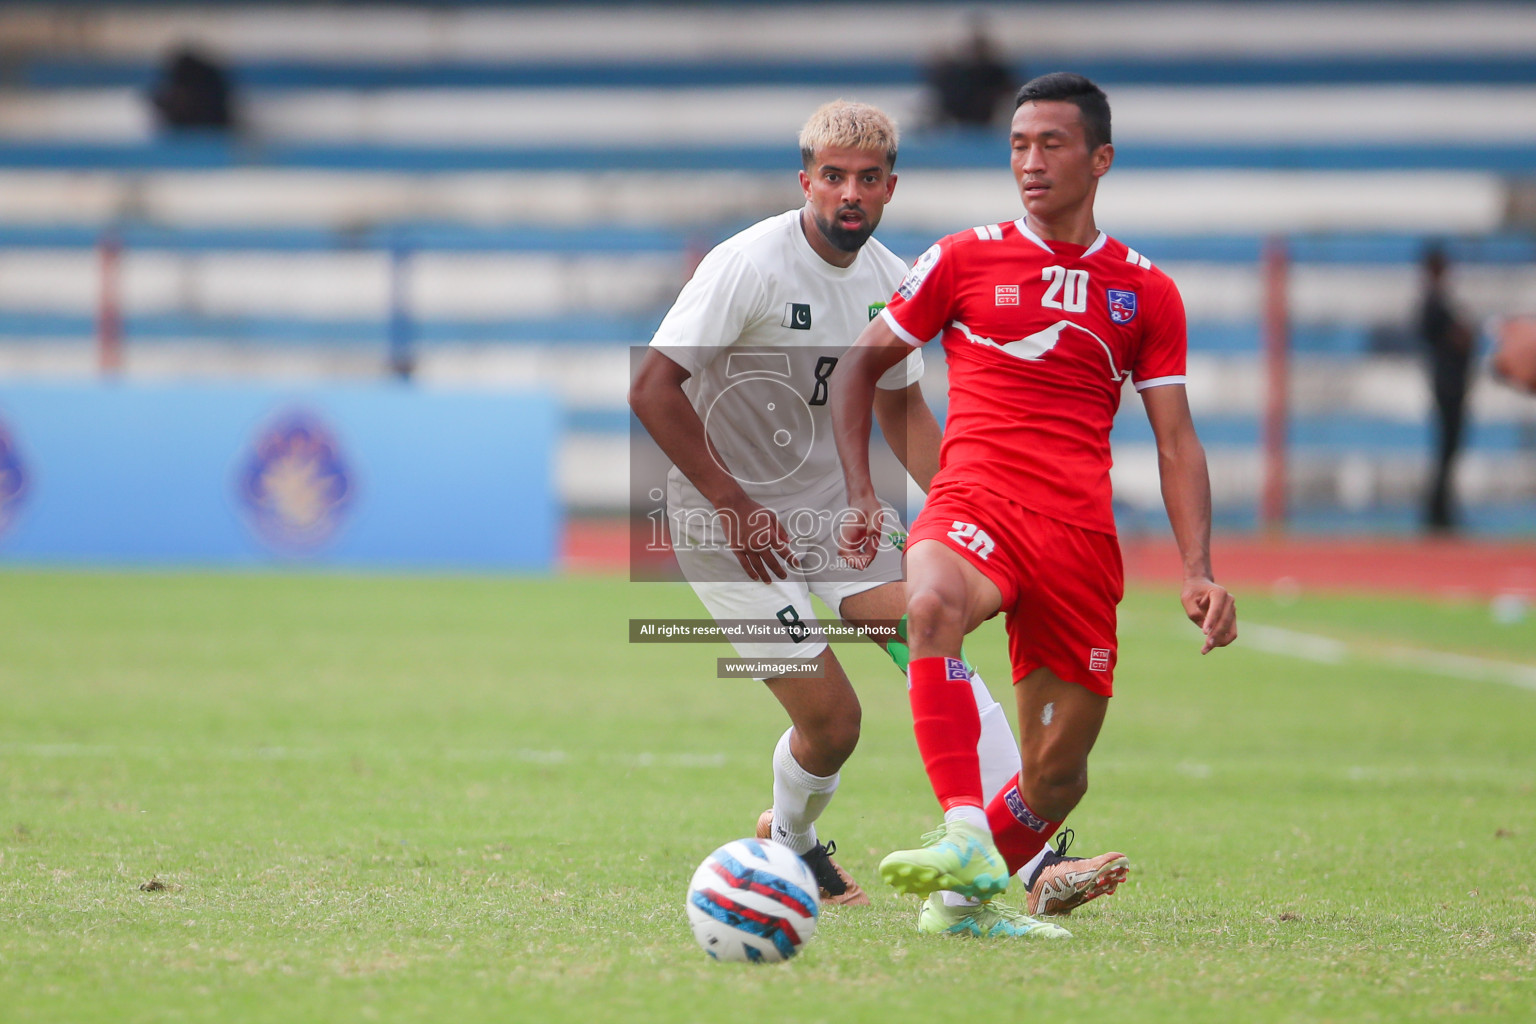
[753, 900]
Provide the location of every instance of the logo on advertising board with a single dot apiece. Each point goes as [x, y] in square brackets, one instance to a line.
[295, 486]
[1122, 306]
[13, 479]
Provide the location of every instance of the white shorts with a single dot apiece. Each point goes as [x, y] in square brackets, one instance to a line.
[730, 594]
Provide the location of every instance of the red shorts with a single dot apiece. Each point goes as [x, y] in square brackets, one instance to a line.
[1060, 583]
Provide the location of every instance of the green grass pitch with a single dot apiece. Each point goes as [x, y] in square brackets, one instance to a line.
[382, 798]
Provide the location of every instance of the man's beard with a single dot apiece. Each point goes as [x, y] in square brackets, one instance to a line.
[842, 238]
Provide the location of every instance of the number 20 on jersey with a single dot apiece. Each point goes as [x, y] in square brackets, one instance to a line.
[1065, 289]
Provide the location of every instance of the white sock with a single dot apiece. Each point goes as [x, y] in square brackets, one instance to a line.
[966, 812]
[798, 798]
[1034, 862]
[999, 755]
[997, 749]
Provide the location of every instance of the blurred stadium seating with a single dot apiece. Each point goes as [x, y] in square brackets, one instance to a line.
[515, 193]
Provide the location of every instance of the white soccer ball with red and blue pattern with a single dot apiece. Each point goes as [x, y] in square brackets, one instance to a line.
[753, 900]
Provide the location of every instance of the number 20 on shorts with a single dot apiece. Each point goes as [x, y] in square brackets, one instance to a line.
[969, 536]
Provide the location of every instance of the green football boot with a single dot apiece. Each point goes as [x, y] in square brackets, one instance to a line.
[990, 920]
[957, 856]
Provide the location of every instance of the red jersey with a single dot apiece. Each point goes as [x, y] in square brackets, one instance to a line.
[1040, 337]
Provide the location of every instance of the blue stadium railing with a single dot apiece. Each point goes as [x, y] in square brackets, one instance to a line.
[588, 327]
[1225, 339]
[1513, 248]
[52, 72]
[957, 150]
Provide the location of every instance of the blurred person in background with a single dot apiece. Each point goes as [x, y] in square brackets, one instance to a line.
[1448, 340]
[193, 92]
[971, 87]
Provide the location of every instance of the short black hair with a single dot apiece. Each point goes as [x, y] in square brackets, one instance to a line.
[1076, 89]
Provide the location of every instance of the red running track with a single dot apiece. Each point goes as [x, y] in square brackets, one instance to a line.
[1435, 568]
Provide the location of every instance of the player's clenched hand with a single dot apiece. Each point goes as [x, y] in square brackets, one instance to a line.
[758, 540]
[859, 530]
[1210, 607]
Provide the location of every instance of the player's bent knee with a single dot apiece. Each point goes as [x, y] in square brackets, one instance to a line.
[832, 738]
[833, 747]
[931, 619]
[844, 739]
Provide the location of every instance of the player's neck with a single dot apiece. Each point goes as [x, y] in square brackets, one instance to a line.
[819, 244]
[1074, 228]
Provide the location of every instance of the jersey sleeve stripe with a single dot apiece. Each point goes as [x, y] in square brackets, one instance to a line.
[1132, 256]
[1157, 382]
[981, 232]
[901, 332]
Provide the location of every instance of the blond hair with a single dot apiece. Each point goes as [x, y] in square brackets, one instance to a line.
[846, 123]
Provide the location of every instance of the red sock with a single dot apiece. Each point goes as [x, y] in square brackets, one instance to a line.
[944, 719]
[1019, 832]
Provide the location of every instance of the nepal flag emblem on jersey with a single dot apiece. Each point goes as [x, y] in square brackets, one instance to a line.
[1122, 306]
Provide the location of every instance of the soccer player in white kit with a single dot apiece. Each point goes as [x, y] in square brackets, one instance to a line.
[734, 390]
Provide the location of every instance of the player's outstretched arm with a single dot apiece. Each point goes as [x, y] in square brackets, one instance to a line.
[1186, 485]
[758, 539]
[911, 430]
[853, 397]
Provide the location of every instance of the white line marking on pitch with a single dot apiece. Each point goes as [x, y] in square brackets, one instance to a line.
[642, 759]
[1274, 640]
[1327, 650]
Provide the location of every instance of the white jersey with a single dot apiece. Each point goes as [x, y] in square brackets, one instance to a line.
[760, 328]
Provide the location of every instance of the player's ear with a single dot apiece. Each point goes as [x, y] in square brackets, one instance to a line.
[805, 183]
[890, 186]
[1103, 158]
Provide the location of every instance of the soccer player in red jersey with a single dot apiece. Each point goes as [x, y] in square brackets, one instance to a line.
[1042, 320]
[752, 498]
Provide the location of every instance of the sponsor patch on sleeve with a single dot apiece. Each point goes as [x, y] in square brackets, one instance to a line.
[919, 272]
